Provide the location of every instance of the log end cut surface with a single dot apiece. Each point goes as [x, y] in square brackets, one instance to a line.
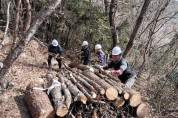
[62, 110]
[111, 93]
[142, 110]
[126, 96]
[135, 100]
[119, 103]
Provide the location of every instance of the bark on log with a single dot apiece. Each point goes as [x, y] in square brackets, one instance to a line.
[92, 93]
[81, 87]
[80, 66]
[119, 103]
[142, 110]
[98, 102]
[60, 107]
[67, 93]
[84, 67]
[78, 78]
[38, 103]
[79, 96]
[131, 95]
[111, 93]
[94, 84]
[119, 89]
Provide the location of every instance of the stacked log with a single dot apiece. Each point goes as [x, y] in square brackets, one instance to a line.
[58, 100]
[87, 87]
[79, 96]
[66, 91]
[111, 93]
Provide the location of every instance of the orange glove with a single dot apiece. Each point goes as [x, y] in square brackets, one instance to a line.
[116, 72]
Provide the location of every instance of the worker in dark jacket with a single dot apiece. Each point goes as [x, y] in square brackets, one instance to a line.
[121, 68]
[101, 55]
[85, 55]
[54, 50]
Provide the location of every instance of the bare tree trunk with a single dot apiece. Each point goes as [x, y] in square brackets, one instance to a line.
[136, 27]
[7, 26]
[0, 6]
[14, 54]
[112, 11]
[16, 22]
[106, 5]
[151, 32]
[62, 19]
[28, 18]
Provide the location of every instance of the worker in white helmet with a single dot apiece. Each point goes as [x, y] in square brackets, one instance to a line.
[54, 50]
[85, 55]
[121, 68]
[101, 55]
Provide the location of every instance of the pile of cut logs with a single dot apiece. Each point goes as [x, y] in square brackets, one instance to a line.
[80, 91]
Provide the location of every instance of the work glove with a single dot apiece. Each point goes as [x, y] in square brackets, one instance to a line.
[116, 72]
[105, 67]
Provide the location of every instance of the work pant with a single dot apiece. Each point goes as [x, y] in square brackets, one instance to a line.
[57, 59]
[86, 62]
[130, 81]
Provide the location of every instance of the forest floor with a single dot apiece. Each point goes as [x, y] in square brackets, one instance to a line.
[31, 67]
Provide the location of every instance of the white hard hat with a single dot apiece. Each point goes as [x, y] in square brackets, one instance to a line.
[116, 51]
[97, 46]
[54, 42]
[84, 43]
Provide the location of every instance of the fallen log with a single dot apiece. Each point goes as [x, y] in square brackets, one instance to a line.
[67, 93]
[105, 72]
[98, 102]
[81, 87]
[38, 103]
[58, 100]
[131, 95]
[119, 103]
[119, 89]
[142, 110]
[111, 93]
[80, 66]
[94, 84]
[84, 82]
[79, 96]
[92, 93]
[84, 67]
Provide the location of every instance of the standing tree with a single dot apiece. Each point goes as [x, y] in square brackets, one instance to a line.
[14, 54]
[113, 7]
[62, 19]
[7, 25]
[16, 22]
[136, 27]
[106, 5]
[28, 17]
